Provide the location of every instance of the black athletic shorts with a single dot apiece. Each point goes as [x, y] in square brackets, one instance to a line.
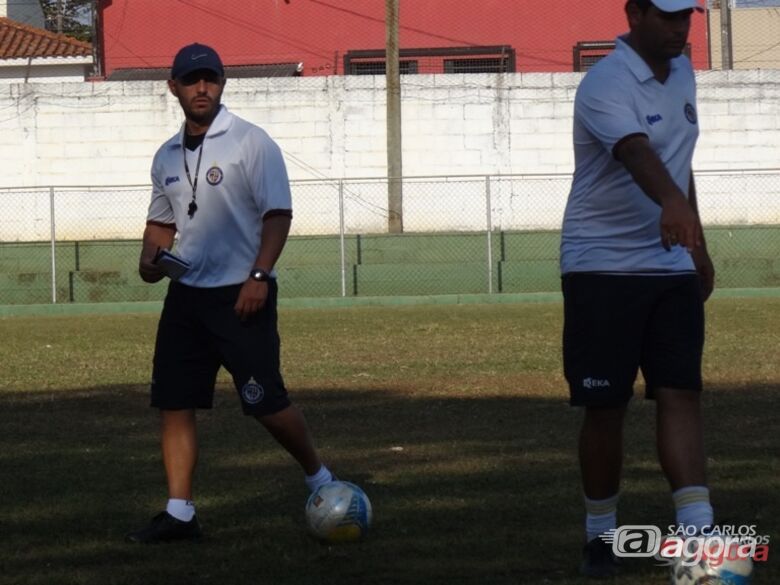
[198, 332]
[616, 324]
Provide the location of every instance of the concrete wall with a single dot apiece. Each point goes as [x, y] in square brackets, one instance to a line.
[45, 70]
[102, 134]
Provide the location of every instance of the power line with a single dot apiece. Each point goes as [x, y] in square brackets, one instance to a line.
[259, 30]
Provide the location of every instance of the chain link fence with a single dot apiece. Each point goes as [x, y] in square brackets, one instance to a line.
[462, 235]
[742, 34]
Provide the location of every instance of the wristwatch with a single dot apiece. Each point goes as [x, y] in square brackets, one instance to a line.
[259, 275]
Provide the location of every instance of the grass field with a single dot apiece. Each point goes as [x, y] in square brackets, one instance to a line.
[453, 418]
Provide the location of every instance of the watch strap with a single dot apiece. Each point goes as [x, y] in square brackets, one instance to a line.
[260, 275]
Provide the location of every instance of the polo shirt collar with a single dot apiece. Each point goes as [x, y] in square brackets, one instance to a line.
[221, 124]
[636, 64]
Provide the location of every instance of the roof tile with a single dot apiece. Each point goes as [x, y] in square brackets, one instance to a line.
[19, 41]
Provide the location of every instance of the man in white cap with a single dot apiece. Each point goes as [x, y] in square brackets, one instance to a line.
[635, 268]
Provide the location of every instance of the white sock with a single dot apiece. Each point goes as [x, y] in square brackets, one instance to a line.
[692, 505]
[322, 477]
[183, 510]
[601, 516]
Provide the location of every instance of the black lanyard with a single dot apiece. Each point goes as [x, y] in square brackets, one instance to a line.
[193, 207]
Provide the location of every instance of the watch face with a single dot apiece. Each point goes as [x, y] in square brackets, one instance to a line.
[259, 275]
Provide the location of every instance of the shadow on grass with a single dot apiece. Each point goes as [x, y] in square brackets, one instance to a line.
[465, 490]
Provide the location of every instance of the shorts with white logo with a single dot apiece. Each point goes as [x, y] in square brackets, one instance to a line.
[199, 331]
[616, 324]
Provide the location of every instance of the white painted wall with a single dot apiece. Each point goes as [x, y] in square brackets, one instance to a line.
[102, 134]
[45, 70]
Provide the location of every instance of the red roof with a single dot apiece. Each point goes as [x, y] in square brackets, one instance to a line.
[19, 41]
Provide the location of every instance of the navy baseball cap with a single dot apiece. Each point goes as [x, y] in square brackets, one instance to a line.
[194, 57]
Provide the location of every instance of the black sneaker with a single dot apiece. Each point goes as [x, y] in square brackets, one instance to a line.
[598, 560]
[164, 527]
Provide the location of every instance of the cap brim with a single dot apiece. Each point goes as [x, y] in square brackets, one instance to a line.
[187, 70]
[678, 5]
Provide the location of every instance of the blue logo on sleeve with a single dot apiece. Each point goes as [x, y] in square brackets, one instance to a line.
[169, 180]
[654, 118]
[690, 113]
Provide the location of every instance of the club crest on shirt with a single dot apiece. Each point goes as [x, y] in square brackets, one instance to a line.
[690, 113]
[214, 175]
[252, 392]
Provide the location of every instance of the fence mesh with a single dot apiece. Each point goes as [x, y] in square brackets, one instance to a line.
[475, 234]
[462, 235]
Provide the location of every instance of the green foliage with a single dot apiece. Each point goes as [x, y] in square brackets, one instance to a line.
[70, 17]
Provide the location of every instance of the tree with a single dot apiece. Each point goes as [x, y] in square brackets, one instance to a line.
[70, 17]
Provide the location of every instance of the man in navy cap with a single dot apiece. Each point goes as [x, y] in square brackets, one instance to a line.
[232, 217]
[635, 267]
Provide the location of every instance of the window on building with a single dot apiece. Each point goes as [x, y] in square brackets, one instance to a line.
[588, 53]
[378, 67]
[478, 59]
[489, 65]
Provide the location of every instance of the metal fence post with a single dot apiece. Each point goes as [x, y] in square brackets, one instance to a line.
[342, 243]
[489, 222]
[53, 247]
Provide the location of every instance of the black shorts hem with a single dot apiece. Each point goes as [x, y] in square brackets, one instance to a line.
[617, 401]
[275, 408]
[650, 389]
[163, 406]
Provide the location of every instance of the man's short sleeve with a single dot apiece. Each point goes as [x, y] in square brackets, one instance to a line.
[607, 115]
[270, 183]
[160, 210]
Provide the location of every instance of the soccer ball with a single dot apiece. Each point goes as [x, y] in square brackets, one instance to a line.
[338, 511]
[729, 572]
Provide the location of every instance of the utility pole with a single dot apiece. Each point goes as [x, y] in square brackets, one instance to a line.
[395, 220]
[726, 44]
[97, 41]
[60, 15]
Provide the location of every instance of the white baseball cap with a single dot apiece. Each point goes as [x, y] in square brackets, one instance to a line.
[677, 5]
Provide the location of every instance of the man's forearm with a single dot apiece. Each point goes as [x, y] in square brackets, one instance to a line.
[648, 171]
[274, 237]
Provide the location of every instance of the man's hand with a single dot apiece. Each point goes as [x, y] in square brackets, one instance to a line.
[149, 271]
[679, 220]
[679, 224]
[251, 298]
[155, 237]
[703, 264]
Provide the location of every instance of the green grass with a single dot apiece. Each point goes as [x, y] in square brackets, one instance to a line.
[453, 418]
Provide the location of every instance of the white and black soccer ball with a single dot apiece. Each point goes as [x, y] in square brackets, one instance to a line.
[728, 572]
[338, 511]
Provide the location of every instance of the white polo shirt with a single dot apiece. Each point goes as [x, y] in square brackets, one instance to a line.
[610, 225]
[242, 177]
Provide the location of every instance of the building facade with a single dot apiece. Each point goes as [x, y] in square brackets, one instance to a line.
[336, 37]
